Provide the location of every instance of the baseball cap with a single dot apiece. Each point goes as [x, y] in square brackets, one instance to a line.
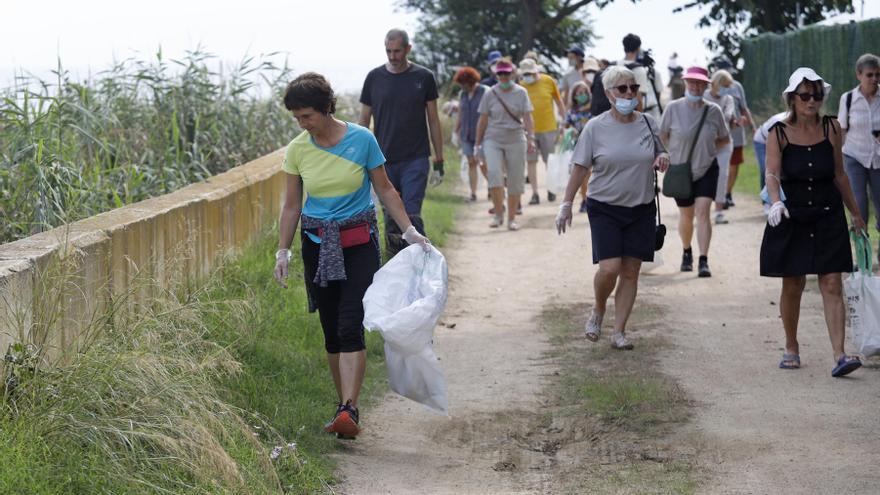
[577, 51]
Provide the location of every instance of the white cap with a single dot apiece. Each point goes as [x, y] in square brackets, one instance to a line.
[798, 76]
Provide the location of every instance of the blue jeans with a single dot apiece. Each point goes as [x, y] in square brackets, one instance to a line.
[761, 156]
[861, 178]
[410, 178]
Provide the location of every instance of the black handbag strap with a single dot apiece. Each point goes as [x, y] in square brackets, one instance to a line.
[656, 181]
[506, 108]
[697, 135]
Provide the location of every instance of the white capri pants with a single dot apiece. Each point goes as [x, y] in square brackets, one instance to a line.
[723, 171]
[506, 159]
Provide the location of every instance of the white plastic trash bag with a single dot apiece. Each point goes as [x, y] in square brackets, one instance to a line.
[404, 303]
[557, 171]
[863, 301]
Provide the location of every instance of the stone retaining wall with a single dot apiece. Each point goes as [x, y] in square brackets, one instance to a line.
[73, 271]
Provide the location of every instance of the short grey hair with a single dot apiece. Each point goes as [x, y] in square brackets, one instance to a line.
[397, 34]
[867, 61]
[721, 76]
[614, 74]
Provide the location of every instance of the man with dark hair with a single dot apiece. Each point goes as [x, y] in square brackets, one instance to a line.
[397, 96]
[576, 57]
[650, 83]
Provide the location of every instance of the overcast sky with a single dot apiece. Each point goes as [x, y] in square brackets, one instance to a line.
[339, 38]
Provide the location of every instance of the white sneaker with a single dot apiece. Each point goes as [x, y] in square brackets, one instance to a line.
[720, 219]
[593, 328]
[498, 221]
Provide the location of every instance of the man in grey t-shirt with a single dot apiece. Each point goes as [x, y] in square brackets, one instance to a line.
[576, 64]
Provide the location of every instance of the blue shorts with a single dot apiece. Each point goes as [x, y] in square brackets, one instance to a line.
[410, 178]
[467, 147]
[619, 231]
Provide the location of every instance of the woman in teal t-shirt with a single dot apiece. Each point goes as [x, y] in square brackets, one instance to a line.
[334, 163]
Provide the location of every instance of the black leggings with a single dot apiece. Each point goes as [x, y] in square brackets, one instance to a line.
[340, 304]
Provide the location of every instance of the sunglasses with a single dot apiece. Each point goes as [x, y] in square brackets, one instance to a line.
[872, 75]
[623, 87]
[814, 96]
[503, 73]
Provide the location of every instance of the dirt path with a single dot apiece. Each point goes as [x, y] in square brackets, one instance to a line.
[764, 430]
[757, 429]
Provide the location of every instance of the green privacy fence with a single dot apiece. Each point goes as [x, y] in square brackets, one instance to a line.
[830, 50]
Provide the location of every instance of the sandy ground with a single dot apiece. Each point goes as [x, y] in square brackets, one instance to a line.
[756, 430]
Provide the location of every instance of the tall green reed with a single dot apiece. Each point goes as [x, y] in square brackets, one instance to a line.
[70, 149]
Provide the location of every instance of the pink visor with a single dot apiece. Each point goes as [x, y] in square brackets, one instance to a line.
[696, 74]
[503, 66]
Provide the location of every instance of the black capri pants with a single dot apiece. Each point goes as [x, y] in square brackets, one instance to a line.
[340, 304]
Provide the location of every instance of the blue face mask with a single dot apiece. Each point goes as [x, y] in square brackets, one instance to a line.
[692, 98]
[725, 91]
[626, 105]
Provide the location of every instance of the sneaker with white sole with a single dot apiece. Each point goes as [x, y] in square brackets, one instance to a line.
[512, 225]
[497, 221]
[720, 219]
[593, 328]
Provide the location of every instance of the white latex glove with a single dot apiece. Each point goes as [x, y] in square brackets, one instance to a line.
[563, 217]
[412, 236]
[282, 260]
[776, 212]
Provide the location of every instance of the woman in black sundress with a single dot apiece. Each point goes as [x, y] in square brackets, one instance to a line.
[806, 230]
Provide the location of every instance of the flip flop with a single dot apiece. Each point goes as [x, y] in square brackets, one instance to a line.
[593, 328]
[619, 341]
[846, 365]
[790, 358]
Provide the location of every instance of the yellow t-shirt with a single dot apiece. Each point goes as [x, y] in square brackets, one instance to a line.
[542, 93]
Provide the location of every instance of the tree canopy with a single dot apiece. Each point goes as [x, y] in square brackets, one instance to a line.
[740, 19]
[463, 32]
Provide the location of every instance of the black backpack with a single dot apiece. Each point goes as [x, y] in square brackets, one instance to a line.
[600, 103]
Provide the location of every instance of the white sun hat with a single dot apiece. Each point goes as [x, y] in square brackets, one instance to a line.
[798, 76]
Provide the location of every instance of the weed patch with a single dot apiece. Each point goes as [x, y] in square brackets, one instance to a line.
[614, 410]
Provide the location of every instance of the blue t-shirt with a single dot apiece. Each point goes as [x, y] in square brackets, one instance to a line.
[335, 180]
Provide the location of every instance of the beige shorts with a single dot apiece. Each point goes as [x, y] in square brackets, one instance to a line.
[545, 143]
[509, 160]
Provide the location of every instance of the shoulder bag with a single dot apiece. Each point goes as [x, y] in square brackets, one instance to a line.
[678, 181]
[659, 228]
[506, 108]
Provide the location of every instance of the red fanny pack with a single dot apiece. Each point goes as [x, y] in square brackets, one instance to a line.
[354, 235]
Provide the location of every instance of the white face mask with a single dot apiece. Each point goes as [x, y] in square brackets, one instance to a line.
[530, 79]
[589, 78]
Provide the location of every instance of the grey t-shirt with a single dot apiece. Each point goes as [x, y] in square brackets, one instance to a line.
[622, 158]
[571, 78]
[726, 104]
[502, 127]
[738, 134]
[680, 120]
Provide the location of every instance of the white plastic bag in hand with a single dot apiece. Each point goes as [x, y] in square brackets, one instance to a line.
[404, 303]
[558, 171]
[862, 290]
